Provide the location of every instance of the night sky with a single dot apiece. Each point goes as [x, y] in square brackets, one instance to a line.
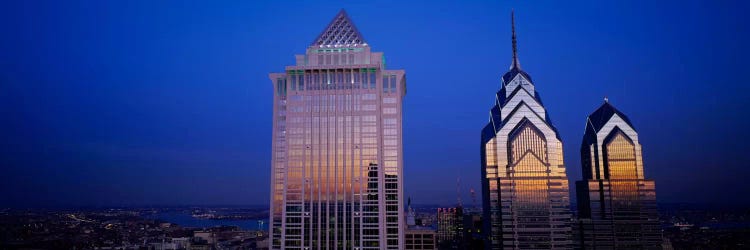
[168, 102]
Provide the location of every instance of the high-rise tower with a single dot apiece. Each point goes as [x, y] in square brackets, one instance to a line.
[616, 203]
[524, 184]
[336, 180]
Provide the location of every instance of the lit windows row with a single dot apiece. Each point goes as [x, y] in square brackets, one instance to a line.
[316, 119]
[329, 80]
[337, 59]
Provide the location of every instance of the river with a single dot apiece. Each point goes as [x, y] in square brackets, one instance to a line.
[185, 219]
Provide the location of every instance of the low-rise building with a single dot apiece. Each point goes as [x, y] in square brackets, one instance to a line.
[420, 238]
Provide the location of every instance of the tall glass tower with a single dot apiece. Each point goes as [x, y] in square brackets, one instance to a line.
[337, 163]
[616, 204]
[524, 185]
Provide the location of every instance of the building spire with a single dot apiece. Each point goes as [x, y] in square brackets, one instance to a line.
[515, 63]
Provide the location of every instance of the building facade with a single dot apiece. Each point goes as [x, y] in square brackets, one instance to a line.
[420, 238]
[337, 163]
[616, 204]
[473, 237]
[525, 187]
[450, 227]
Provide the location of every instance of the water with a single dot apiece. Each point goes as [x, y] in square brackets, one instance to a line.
[187, 220]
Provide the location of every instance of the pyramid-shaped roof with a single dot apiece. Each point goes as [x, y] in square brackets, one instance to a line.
[601, 116]
[597, 120]
[341, 32]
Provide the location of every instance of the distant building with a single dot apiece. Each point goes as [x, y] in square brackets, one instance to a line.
[417, 237]
[616, 203]
[181, 242]
[420, 238]
[472, 234]
[524, 185]
[163, 246]
[337, 157]
[262, 244]
[205, 236]
[200, 247]
[450, 228]
[410, 215]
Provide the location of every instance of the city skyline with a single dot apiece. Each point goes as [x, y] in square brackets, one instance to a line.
[184, 117]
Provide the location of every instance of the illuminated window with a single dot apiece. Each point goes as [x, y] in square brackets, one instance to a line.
[528, 154]
[620, 157]
[620, 168]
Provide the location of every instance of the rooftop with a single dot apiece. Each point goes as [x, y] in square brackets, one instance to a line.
[341, 32]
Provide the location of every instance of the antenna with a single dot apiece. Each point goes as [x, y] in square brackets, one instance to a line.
[515, 63]
[458, 191]
[473, 199]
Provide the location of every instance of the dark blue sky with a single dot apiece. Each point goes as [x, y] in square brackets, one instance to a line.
[169, 102]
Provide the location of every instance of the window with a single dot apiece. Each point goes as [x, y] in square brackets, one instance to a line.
[294, 82]
[386, 84]
[393, 84]
[281, 86]
[316, 80]
[620, 157]
[372, 80]
[368, 129]
[390, 152]
[302, 82]
[364, 80]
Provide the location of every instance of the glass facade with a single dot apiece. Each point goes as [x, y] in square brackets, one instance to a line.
[524, 184]
[620, 157]
[337, 154]
[617, 205]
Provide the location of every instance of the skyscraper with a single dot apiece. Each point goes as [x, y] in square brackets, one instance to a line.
[336, 179]
[616, 204]
[524, 184]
